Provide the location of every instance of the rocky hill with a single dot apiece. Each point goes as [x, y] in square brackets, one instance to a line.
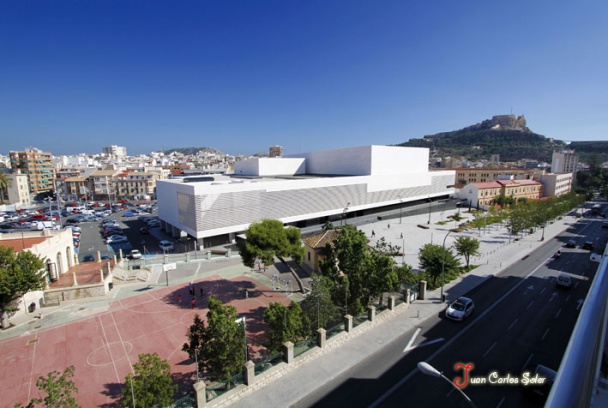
[506, 135]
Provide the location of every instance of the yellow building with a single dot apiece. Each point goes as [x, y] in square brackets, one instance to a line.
[483, 194]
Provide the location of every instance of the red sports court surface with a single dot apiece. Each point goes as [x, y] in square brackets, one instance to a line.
[103, 348]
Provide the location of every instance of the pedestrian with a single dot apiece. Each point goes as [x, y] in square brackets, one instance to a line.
[373, 233]
[202, 291]
[179, 299]
[191, 289]
[389, 226]
[401, 235]
[193, 303]
[246, 294]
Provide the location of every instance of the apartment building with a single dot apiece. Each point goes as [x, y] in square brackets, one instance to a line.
[38, 166]
[17, 191]
[135, 183]
[565, 161]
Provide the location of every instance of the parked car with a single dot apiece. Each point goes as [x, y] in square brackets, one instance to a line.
[144, 230]
[88, 258]
[460, 309]
[539, 392]
[135, 254]
[129, 214]
[165, 245]
[116, 239]
[571, 244]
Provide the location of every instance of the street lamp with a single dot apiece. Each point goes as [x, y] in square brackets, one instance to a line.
[430, 201]
[400, 208]
[428, 369]
[344, 213]
[443, 266]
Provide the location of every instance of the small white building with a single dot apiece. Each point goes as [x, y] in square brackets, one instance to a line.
[298, 188]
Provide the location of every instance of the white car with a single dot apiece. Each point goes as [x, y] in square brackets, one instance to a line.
[165, 245]
[135, 254]
[460, 309]
[116, 239]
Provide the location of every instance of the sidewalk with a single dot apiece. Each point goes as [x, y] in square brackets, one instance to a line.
[497, 254]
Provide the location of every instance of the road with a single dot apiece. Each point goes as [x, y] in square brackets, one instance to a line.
[522, 318]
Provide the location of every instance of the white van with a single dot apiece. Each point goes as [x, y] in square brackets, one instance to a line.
[564, 280]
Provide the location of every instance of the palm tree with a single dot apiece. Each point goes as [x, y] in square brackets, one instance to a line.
[5, 183]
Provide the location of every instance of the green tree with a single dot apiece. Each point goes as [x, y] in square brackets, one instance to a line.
[269, 238]
[151, 383]
[19, 273]
[318, 306]
[432, 258]
[59, 389]
[285, 324]
[219, 346]
[467, 247]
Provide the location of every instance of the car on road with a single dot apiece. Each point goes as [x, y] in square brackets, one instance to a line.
[589, 245]
[571, 244]
[165, 245]
[106, 258]
[88, 258]
[116, 239]
[460, 309]
[564, 280]
[144, 230]
[135, 254]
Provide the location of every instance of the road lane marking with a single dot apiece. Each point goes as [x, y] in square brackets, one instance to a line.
[501, 401]
[409, 344]
[545, 335]
[567, 298]
[558, 312]
[579, 304]
[488, 350]
[542, 291]
[405, 379]
[512, 324]
[530, 304]
[553, 296]
[526, 363]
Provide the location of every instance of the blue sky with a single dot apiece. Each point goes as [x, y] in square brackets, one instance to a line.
[240, 76]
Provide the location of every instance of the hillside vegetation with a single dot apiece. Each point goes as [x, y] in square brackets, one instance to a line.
[505, 135]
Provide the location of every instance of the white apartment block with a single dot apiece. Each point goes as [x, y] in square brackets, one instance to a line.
[564, 162]
[309, 186]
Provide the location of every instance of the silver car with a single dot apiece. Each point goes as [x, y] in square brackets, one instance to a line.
[460, 309]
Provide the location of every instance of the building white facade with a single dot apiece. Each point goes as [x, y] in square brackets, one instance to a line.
[564, 162]
[18, 190]
[115, 151]
[556, 184]
[298, 188]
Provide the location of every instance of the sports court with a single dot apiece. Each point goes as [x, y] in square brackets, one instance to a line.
[104, 347]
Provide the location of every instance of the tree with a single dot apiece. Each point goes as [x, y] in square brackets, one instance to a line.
[318, 306]
[5, 183]
[59, 389]
[218, 346]
[285, 324]
[19, 273]
[434, 259]
[467, 247]
[268, 238]
[150, 383]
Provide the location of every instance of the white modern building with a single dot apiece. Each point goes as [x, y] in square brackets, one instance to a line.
[311, 186]
[564, 162]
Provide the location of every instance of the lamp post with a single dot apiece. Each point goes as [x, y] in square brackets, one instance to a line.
[400, 208]
[428, 369]
[430, 201]
[443, 266]
[344, 214]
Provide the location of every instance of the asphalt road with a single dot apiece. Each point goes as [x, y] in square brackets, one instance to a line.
[522, 319]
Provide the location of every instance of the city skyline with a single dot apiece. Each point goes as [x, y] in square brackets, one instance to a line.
[242, 77]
